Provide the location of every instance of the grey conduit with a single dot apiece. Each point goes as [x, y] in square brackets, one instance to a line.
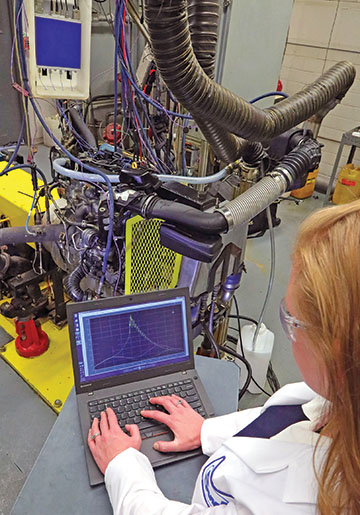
[170, 36]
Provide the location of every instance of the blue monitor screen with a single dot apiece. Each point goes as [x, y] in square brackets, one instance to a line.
[58, 43]
[116, 341]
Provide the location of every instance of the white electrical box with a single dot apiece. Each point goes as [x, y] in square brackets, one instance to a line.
[59, 33]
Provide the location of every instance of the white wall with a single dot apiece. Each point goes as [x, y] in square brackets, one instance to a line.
[255, 47]
[323, 32]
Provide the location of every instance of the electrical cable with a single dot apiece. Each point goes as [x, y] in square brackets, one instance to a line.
[123, 54]
[243, 359]
[183, 149]
[16, 45]
[126, 60]
[243, 317]
[25, 80]
[241, 342]
[29, 214]
[212, 340]
[270, 94]
[17, 146]
[230, 351]
[131, 77]
[238, 318]
[117, 6]
[271, 375]
[78, 137]
[43, 178]
[21, 167]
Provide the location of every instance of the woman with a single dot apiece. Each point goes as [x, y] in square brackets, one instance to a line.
[300, 453]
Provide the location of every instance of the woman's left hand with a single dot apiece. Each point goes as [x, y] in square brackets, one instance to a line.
[111, 439]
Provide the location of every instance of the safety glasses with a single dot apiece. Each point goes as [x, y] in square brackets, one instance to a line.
[288, 322]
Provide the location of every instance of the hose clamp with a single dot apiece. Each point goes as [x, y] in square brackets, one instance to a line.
[281, 174]
[227, 214]
[146, 203]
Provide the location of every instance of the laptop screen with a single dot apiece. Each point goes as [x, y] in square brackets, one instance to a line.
[120, 340]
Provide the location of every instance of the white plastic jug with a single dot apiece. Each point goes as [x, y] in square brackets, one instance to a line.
[258, 358]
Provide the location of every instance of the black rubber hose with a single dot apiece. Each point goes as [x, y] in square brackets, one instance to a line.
[81, 127]
[294, 167]
[72, 284]
[186, 217]
[170, 36]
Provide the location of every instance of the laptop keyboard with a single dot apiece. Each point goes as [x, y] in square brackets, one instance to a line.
[128, 406]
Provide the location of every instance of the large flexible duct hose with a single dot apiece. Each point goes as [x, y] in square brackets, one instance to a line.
[203, 23]
[225, 145]
[203, 18]
[72, 284]
[170, 36]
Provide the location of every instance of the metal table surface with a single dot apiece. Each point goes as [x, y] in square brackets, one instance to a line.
[58, 483]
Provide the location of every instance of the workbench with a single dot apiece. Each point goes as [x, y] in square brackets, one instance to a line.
[58, 483]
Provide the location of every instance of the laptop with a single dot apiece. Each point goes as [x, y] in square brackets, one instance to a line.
[126, 350]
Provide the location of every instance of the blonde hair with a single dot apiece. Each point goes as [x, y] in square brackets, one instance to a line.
[327, 264]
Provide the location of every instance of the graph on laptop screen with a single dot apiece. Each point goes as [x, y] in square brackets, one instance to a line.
[116, 341]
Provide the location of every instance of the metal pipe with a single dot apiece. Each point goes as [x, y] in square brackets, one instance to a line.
[224, 36]
[135, 16]
[38, 233]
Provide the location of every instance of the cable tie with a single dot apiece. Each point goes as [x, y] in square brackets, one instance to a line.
[21, 90]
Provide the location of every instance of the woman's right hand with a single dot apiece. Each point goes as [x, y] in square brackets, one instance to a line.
[183, 421]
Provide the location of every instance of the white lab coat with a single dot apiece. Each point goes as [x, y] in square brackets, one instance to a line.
[243, 475]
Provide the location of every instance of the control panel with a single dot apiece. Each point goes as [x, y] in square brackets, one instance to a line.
[59, 35]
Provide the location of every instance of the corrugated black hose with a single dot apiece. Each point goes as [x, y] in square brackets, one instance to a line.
[72, 284]
[203, 18]
[170, 36]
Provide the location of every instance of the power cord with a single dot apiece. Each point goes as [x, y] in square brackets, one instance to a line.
[229, 350]
[270, 375]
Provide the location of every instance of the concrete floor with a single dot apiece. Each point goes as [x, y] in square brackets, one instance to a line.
[253, 287]
[26, 420]
[25, 423]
